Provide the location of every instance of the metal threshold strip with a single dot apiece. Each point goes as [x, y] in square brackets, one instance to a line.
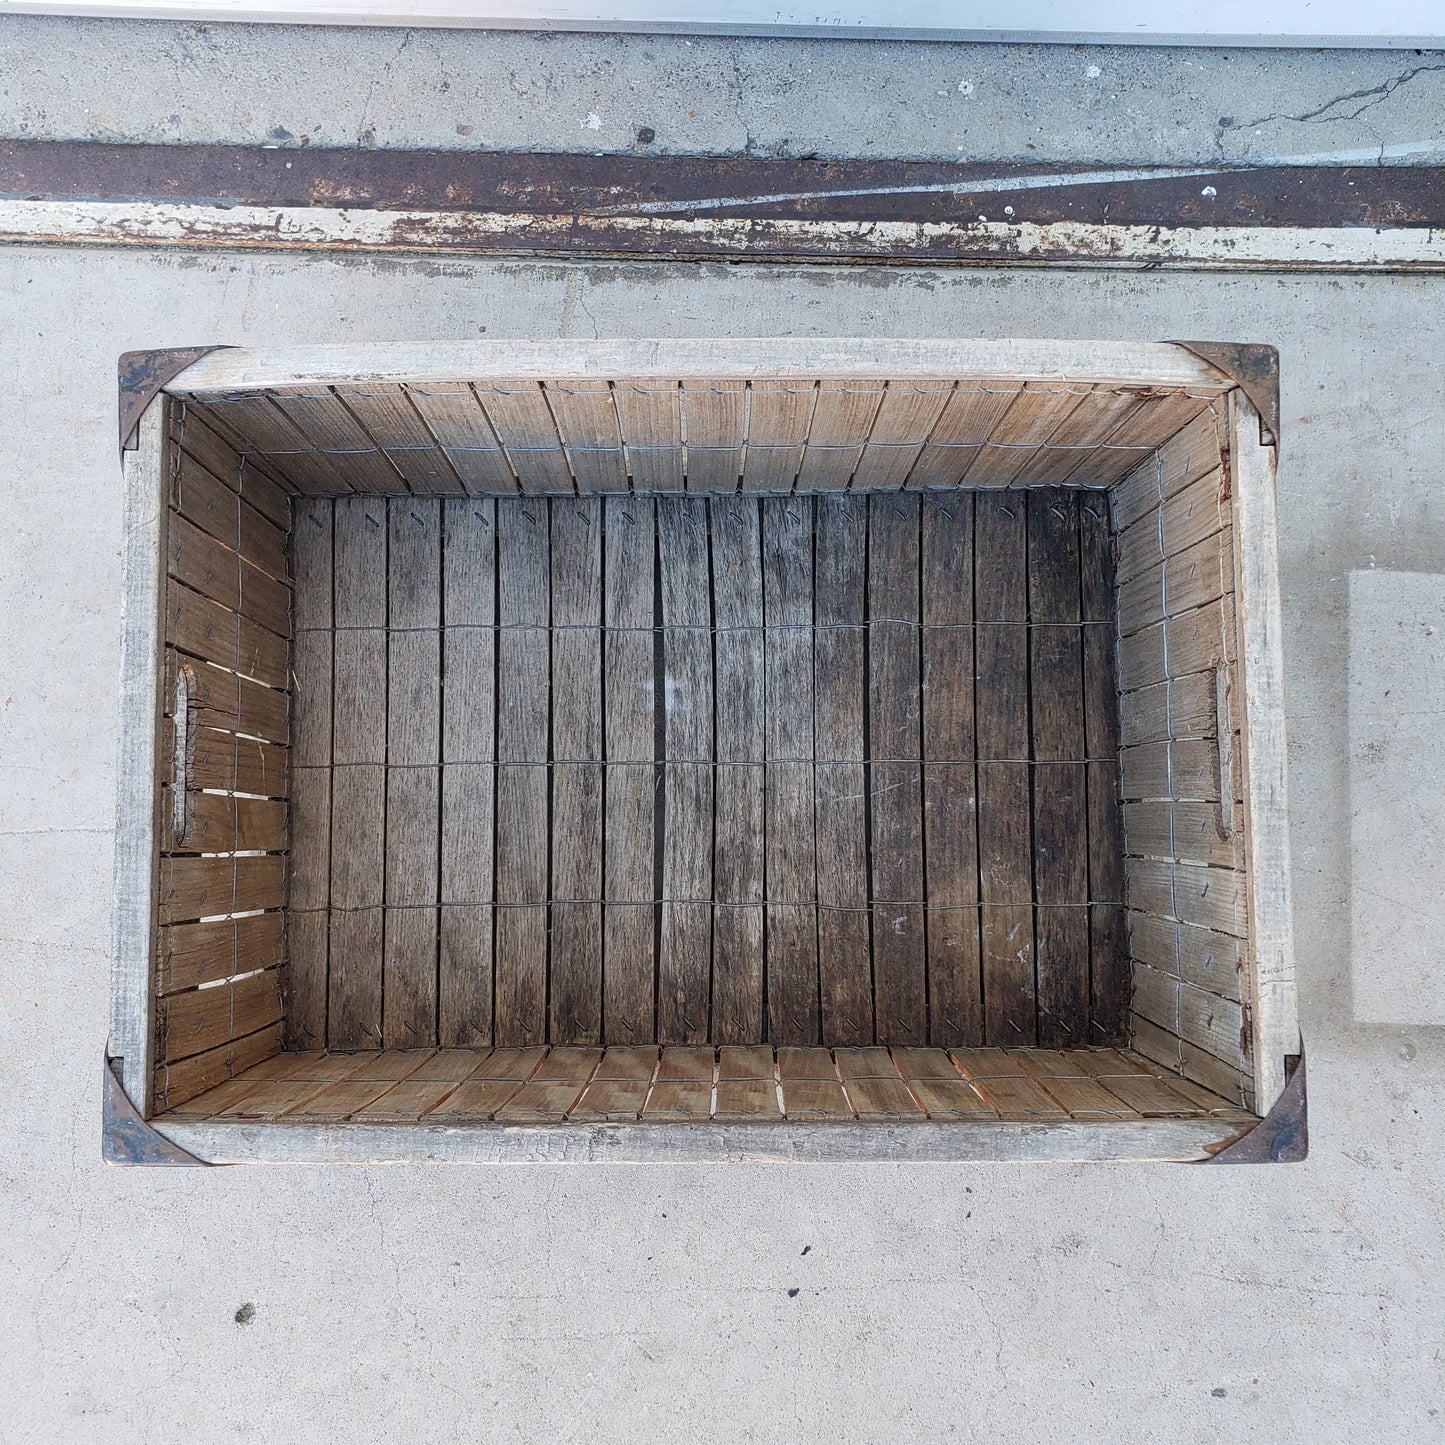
[1291, 215]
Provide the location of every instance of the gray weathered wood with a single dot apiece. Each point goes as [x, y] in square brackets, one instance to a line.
[138, 764]
[409, 968]
[1004, 844]
[791, 866]
[1060, 806]
[523, 673]
[685, 938]
[575, 985]
[895, 792]
[629, 916]
[840, 779]
[358, 785]
[950, 821]
[738, 884]
[468, 803]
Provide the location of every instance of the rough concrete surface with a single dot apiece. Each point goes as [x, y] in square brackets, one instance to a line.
[502, 90]
[700, 1303]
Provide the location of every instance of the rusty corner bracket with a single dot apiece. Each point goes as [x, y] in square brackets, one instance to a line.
[143, 374]
[1283, 1135]
[1254, 368]
[125, 1137]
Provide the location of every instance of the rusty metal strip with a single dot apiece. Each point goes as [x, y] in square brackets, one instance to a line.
[144, 374]
[1283, 1135]
[616, 188]
[126, 1138]
[1255, 369]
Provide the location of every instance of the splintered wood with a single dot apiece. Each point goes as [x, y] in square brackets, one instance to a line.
[676, 770]
[752, 1084]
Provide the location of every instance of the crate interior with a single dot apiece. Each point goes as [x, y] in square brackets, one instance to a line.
[605, 750]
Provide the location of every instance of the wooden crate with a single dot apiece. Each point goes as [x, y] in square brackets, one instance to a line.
[678, 728]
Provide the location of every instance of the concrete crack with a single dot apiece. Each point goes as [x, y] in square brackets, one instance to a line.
[1375, 95]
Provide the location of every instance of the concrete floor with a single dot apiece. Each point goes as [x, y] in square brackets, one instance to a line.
[726, 1303]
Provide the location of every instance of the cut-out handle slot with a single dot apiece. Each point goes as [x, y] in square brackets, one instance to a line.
[184, 754]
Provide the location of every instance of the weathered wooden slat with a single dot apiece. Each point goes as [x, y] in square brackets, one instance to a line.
[840, 778]
[683, 1087]
[629, 917]
[205, 1018]
[1109, 947]
[1037, 411]
[205, 501]
[587, 424]
[468, 802]
[196, 888]
[311, 668]
[968, 418]
[456, 419]
[331, 430]
[1206, 897]
[620, 1085]
[650, 413]
[778, 416]
[220, 698]
[267, 429]
[875, 1090]
[842, 418]
[684, 941]
[906, 416]
[1194, 448]
[219, 823]
[1001, 699]
[358, 784]
[738, 884]
[715, 426]
[895, 788]
[391, 419]
[190, 954]
[523, 423]
[409, 963]
[747, 1090]
[554, 1087]
[575, 988]
[1139, 434]
[1072, 451]
[523, 674]
[934, 1080]
[791, 862]
[950, 803]
[1060, 806]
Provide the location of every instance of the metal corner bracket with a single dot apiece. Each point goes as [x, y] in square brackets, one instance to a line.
[1254, 368]
[143, 374]
[1283, 1135]
[125, 1137]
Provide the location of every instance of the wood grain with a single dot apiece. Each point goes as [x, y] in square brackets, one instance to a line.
[1002, 719]
[358, 784]
[1060, 807]
[630, 913]
[468, 779]
[409, 964]
[738, 817]
[950, 818]
[684, 940]
[575, 988]
[791, 865]
[523, 851]
[895, 776]
[840, 778]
